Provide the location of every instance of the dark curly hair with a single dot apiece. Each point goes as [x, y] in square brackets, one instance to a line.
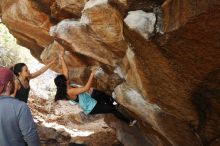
[60, 82]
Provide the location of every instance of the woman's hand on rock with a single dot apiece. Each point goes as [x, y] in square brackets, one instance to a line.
[62, 52]
[93, 69]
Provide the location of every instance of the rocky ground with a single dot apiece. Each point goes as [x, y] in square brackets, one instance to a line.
[63, 124]
[161, 59]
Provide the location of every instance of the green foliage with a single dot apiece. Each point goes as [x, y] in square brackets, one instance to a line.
[10, 52]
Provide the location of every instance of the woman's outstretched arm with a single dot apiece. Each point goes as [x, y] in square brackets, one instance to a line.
[64, 66]
[76, 91]
[42, 70]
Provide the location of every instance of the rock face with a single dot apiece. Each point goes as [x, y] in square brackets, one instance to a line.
[167, 78]
[177, 13]
[142, 22]
[57, 124]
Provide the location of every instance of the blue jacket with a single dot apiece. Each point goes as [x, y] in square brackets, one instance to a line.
[86, 102]
[16, 123]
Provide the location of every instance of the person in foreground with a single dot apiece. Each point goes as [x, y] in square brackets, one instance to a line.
[16, 122]
[91, 101]
[22, 87]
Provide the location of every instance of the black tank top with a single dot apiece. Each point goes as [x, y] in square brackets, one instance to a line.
[22, 93]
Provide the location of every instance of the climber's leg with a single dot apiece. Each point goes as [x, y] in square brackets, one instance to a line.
[102, 108]
[102, 97]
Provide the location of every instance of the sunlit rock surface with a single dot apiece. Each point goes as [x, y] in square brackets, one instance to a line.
[168, 80]
[58, 124]
[141, 22]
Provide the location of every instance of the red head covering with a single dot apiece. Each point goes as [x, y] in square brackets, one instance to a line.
[6, 75]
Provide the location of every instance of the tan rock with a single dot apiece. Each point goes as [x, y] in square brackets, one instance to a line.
[28, 24]
[176, 13]
[105, 45]
[169, 83]
[62, 9]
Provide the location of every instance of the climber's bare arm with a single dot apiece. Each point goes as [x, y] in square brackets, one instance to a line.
[42, 70]
[72, 92]
[64, 66]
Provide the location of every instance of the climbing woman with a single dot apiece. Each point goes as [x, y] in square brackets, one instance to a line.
[91, 101]
[22, 87]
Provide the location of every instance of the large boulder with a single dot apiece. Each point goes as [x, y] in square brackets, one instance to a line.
[164, 74]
